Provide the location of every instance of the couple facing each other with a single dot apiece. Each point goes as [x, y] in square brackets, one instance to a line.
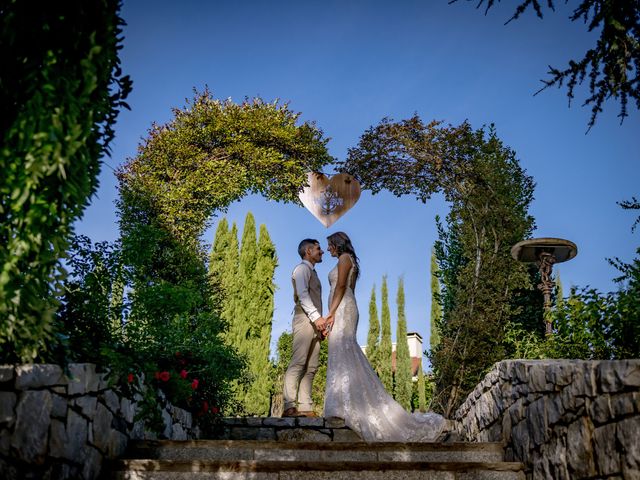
[353, 390]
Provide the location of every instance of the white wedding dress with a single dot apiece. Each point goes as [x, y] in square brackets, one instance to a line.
[355, 393]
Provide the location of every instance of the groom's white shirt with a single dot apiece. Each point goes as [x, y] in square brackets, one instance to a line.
[301, 278]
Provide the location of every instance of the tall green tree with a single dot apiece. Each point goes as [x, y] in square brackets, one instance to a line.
[217, 265]
[61, 90]
[402, 385]
[559, 292]
[245, 306]
[385, 350]
[436, 309]
[422, 399]
[373, 337]
[259, 391]
[229, 281]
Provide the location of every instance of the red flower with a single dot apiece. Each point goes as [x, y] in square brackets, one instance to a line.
[183, 373]
[164, 376]
[195, 383]
[205, 406]
[130, 378]
[215, 409]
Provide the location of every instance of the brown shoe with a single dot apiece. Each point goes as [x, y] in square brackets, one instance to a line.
[308, 413]
[291, 412]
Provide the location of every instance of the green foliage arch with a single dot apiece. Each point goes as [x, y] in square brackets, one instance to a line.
[489, 195]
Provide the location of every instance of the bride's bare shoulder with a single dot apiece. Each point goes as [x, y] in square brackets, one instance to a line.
[345, 258]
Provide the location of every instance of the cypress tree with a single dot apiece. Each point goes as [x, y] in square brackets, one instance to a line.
[373, 338]
[384, 352]
[422, 400]
[559, 293]
[247, 305]
[403, 384]
[436, 310]
[259, 336]
[217, 265]
[228, 281]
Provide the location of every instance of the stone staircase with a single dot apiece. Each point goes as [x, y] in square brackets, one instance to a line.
[280, 449]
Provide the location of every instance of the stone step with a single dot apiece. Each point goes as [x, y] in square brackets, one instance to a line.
[225, 450]
[292, 470]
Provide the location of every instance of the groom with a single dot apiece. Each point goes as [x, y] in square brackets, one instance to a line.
[307, 323]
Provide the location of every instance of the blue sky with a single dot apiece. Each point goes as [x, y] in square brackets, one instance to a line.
[347, 64]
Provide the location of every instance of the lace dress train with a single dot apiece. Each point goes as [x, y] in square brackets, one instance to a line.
[355, 393]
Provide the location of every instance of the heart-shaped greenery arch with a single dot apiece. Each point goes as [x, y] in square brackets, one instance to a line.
[215, 152]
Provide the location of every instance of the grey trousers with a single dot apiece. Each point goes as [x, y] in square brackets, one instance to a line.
[298, 380]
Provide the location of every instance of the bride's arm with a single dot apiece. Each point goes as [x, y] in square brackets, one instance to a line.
[344, 265]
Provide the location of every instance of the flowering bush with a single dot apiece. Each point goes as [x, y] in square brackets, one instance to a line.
[151, 347]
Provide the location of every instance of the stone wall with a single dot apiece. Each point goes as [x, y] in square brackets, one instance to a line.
[561, 418]
[61, 426]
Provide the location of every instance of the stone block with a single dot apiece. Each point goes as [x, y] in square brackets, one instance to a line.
[310, 422]
[521, 440]
[541, 466]
[137, 432]
[254, 421]
[580, 456]
[516, 411]
[279, 422]
[538, 380]
[600, 409]
[117, 444]
[537, 422]
[560, 374]
[6, 373]
[302, 435]
[345, 435]
[181, 416]
[111, 400]
[102, 427]
[59, 407]
[30, 376]
[83, 378]
[622, 405]
[630, 373]
[506, 428]
[5, 442]
[178, 432]
[7, 408]
[627, 434]
[77, 434]
[168, 424]
[252, 433]
[570, 402]
[556, 453]
[31, 431]
[58, 439]
[234, 421]
[127, 410]
[606, 455]
[554, 409]
[92, 463]
[334, 422]
[87, 405]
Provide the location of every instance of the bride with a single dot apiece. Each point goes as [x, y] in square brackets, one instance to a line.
[354, 392]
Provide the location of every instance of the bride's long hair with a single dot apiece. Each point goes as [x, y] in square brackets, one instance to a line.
[342, 243]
